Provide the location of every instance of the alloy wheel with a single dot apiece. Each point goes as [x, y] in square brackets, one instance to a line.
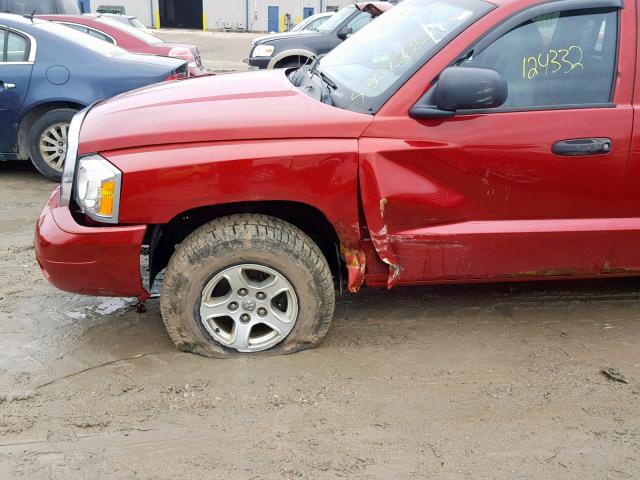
[53, 145]
[248, 307]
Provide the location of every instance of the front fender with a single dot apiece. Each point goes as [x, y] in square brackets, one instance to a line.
[161, 182]
[291, 52]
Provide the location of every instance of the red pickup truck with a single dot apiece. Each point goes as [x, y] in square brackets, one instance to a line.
[448, 141]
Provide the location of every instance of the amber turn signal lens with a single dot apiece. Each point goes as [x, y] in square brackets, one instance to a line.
[107, 191]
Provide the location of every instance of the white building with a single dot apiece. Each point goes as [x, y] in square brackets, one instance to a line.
[234, 15]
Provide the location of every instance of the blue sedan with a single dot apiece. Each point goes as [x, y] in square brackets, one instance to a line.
[48, 72]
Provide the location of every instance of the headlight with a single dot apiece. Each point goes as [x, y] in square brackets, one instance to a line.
[263, 51]
[97, 189]
[69, 171]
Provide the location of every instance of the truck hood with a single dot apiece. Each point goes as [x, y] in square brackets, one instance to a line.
[284, 36]
[244, 106]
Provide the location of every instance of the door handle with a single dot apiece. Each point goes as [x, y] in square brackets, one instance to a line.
[7, 86]
[582, 146]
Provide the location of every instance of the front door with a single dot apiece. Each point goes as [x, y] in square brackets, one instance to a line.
[489, 194]
[273, 18]
[15, 75]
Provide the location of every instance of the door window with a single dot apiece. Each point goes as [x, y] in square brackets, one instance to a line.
[360, 21]
[15, 47]
[560, 59]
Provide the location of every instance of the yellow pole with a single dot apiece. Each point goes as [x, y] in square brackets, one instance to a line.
[282, 23]
[204, 22]
[157, 20]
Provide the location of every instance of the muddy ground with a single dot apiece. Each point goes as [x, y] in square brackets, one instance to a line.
[473, 382]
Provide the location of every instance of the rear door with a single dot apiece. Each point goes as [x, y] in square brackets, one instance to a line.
[486, 195]
[16, 63]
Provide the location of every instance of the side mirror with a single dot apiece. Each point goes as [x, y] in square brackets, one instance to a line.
[462, 88]
[345, 32]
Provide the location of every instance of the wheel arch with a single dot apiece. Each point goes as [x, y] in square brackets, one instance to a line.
[290, 54]
[163, 238]
[32, 115]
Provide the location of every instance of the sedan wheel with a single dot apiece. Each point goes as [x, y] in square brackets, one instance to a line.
[47, 140]
[53, 145]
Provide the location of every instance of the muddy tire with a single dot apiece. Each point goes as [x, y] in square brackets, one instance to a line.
[234, 267]
[50, 127]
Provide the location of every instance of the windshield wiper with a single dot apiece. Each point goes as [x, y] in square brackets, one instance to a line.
[330, 84]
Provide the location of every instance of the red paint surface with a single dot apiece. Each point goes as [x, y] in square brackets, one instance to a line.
[91, 261]
[254, 106]
[463, 199]
[128, 41]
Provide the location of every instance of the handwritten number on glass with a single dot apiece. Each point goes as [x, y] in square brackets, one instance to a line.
[562, 60]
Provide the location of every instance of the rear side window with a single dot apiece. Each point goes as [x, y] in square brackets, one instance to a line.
[15, 48]
[100, 35]
[564, 58]
[89, 31]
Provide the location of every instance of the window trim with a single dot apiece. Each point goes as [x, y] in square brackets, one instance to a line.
[32, 45]
[113, 40]
[520, 17]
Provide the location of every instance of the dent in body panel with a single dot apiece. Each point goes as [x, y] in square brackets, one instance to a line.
[421, 227]
[399, 196]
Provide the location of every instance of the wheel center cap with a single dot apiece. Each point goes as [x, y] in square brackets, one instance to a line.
[248, 305]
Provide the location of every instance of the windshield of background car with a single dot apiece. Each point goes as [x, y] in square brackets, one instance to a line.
[82, 39]
[336, 20]
[302, 25]
[131, 30]
[372, 64]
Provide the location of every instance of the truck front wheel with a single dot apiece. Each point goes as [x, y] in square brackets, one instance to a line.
[247, 284]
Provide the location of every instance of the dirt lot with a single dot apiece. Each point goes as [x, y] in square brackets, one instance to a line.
[221, 52]
[483, 382]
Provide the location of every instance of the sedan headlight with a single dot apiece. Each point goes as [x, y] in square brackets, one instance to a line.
[98, 185]
[263, 51]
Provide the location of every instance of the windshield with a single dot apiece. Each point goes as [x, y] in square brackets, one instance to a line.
[336, 20]
[302, 24]
[98, 46]
[371, 65]
[131, 30]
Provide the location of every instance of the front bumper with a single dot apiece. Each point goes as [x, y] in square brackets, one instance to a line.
[103, 261]
[258, 63]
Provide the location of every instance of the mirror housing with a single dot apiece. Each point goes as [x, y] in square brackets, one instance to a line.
[462, 88]
[345, 32]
